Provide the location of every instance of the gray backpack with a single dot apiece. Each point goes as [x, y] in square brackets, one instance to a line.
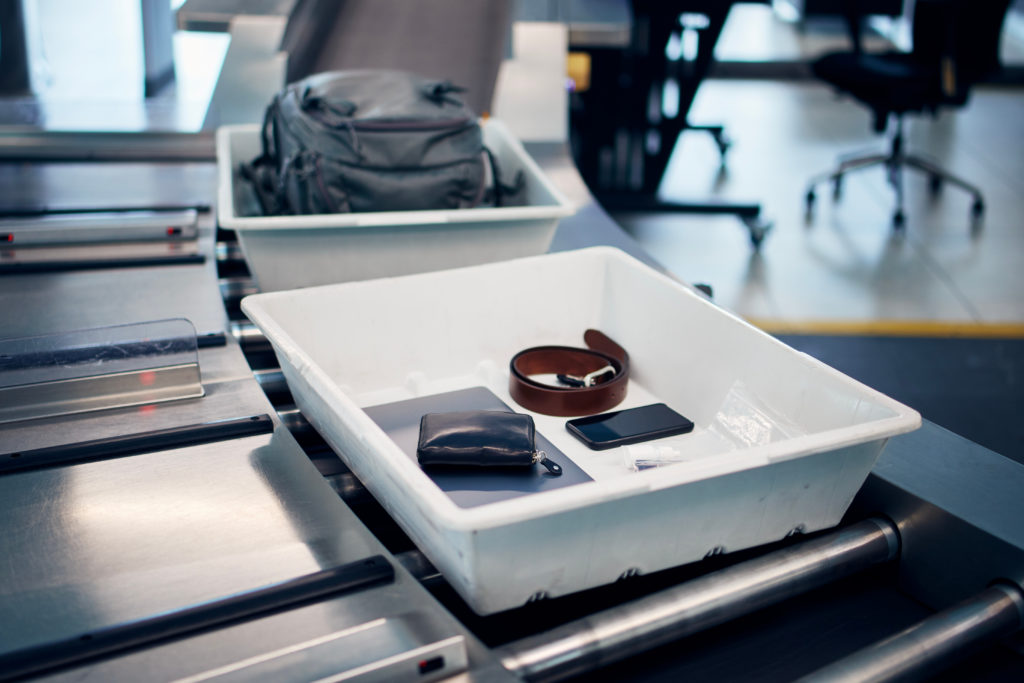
[372, 140]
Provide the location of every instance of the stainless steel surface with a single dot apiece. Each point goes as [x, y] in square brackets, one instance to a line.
[103, 226]
[958, 506]
[42, 303]
[605, 637]
[108, 542]
[30, 188]
[31, 144]
[418, 565]
[230, 398]
[380, 650]
[932, 645]
[97, 369]
[447, 657]
[79, 256]
[100, 392]
[224, 363]
[103, 542]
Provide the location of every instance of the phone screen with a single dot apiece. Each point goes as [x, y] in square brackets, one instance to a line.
[629, 426]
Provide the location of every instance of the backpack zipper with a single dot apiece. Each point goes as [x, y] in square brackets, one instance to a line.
[438, 124]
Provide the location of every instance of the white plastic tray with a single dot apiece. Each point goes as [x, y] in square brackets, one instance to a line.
[285, 252]
[782, 441]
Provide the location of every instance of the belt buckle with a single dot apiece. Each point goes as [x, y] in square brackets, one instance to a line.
[587, 380]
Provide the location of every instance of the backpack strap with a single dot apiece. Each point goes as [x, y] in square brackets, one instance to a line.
[500, 189]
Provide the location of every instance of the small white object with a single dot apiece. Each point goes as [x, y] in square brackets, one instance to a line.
[642, 456]
[823, 431]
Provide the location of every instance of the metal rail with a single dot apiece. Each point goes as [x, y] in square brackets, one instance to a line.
[29, 144]
[933, 644]
[617, 633]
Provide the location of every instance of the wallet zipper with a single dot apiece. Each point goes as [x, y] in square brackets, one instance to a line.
[552, 466]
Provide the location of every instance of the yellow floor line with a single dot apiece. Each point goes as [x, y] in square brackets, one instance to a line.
[892, 328]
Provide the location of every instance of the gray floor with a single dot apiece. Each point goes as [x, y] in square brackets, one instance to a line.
[846, 264]
[845, 269]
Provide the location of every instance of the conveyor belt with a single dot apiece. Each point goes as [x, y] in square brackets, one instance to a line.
[522, 635]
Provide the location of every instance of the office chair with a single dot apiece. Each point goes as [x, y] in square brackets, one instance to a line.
[955, 45]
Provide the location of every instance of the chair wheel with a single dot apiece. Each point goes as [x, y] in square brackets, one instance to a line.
[898, 220]
[935, 184]
[724, 143]
[757, 228]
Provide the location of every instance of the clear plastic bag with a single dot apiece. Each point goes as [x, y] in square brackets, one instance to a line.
[742, 421]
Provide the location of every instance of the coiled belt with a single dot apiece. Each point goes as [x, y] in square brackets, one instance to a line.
[596, 377]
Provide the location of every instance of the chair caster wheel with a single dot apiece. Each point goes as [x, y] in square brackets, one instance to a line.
[977, 210]
[809, 199]
[723, 143]
[758, 229]
[898, 221]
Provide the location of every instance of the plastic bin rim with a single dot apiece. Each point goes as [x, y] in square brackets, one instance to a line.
[227, 217]
[502, 513]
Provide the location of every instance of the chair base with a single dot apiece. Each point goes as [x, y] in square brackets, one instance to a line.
[894, 162]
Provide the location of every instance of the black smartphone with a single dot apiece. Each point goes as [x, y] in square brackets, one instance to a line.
[632, 425]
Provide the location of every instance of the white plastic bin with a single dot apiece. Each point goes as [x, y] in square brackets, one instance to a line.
[286, 252]
[782, 441]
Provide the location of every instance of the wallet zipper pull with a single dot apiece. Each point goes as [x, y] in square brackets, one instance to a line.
[552, 466]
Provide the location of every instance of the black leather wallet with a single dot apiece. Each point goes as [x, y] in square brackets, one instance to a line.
[480, 438]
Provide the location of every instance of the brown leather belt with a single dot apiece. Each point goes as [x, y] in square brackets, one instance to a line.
[598, 374]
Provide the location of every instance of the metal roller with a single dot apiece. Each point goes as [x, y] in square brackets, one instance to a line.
[234, 289]
[272, 381]
[351, 490]
[626, 630]
[228, 252]
[248, 336]
[933, 644]
[295, 421]
[419, 566]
